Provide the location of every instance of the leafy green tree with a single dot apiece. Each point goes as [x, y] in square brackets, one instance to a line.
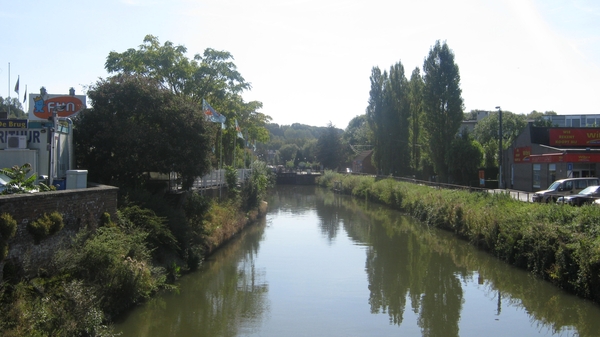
[538, 118]
[486, 133]
[20, 180]
[136, 127]
[14, 105]
[329, 148]
[288, 152]
[398, 114]
[212, 76]
[464, 158]
[375, 116]
[442, 104]
[357, 133]
[417, 137]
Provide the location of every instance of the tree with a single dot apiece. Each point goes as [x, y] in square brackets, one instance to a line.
[329, 148]
[442, 103]
[486, 133]
[14, 105]
[288, 152]
[375, 117]
[136, 127]
[398, 115]
[417, 138]
[211, 76]
[388, 116]
[464, 158]
[357, 132]
[538, 118]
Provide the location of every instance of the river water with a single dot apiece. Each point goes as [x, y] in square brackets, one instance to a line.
[321, 264]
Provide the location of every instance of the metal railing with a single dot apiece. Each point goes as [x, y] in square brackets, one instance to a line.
[518, 195]
[216, 178]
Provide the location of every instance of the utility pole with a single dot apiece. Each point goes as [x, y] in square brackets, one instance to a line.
[500, 136]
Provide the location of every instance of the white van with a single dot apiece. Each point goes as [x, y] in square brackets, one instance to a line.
[564, 187]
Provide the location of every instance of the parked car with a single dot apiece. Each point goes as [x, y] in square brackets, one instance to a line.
[564, 187]
[587, 196]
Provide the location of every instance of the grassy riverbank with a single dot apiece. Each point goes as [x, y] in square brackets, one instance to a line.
[556, 242]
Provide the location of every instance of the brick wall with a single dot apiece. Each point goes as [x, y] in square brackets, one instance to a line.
[78, 207]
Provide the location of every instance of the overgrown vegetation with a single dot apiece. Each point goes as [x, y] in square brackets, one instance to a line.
[558, 243]
[46, 225]
[8, 228]
[21, 181]
[117, 263]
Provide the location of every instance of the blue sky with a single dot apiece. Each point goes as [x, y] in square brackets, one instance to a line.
[309, 61]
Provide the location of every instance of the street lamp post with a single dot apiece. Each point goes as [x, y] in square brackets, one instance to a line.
[500, 136]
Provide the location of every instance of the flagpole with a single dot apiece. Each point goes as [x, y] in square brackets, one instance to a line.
[221, 160]
[8, 89]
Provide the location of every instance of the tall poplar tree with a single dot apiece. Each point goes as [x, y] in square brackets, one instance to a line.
[397, 120]
[375, 116]
[442, 103]
[415, 98]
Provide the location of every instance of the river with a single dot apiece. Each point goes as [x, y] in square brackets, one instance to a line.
[322, 264]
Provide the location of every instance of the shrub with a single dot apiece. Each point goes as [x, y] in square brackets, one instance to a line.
[8, 226]
[116, 263]
[45, 226]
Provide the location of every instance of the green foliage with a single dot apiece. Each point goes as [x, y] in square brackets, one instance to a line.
[116, 263]
[46, 225]
[211, 75]
[464, 158]
[158, 235]
[124, 134]
[16, 108]
[231, 180]
[552, 241]
[255, 187]
[56, 307]
[8, 226]
[442, 103]
[105, 220]
[329, 147]
[19, 182]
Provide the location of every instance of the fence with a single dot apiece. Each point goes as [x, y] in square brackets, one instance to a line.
[519, 195]
[216, 178]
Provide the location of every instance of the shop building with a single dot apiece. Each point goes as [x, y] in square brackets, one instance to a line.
[45, 139]
[541, 155]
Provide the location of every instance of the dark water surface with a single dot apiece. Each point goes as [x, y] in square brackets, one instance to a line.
[328, 265]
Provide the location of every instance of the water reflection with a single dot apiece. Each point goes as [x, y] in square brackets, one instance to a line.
[227, 293]
[430, 268]
[412, 276]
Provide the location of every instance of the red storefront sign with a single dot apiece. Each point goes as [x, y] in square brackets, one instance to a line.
[567, 157]
[521, 154]
[575, 137]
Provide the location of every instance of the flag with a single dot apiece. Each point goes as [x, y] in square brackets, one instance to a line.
[17, 85]
[25, 96]
[238, 130]
[212, 115]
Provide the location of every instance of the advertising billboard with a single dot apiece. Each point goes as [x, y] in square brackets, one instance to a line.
[42, 105]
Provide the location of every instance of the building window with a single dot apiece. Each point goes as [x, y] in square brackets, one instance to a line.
[537, 173]
[552, 172]
[573, 122]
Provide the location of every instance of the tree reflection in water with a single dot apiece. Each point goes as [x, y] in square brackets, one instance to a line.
[409, 261]
[407, 264]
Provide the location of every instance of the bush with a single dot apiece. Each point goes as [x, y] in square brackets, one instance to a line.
[45, 226]
[116, 264]
[8, 226]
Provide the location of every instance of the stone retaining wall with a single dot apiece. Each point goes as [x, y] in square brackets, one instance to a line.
[78, 208]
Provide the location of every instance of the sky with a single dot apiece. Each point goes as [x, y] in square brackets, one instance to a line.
[309, 61]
